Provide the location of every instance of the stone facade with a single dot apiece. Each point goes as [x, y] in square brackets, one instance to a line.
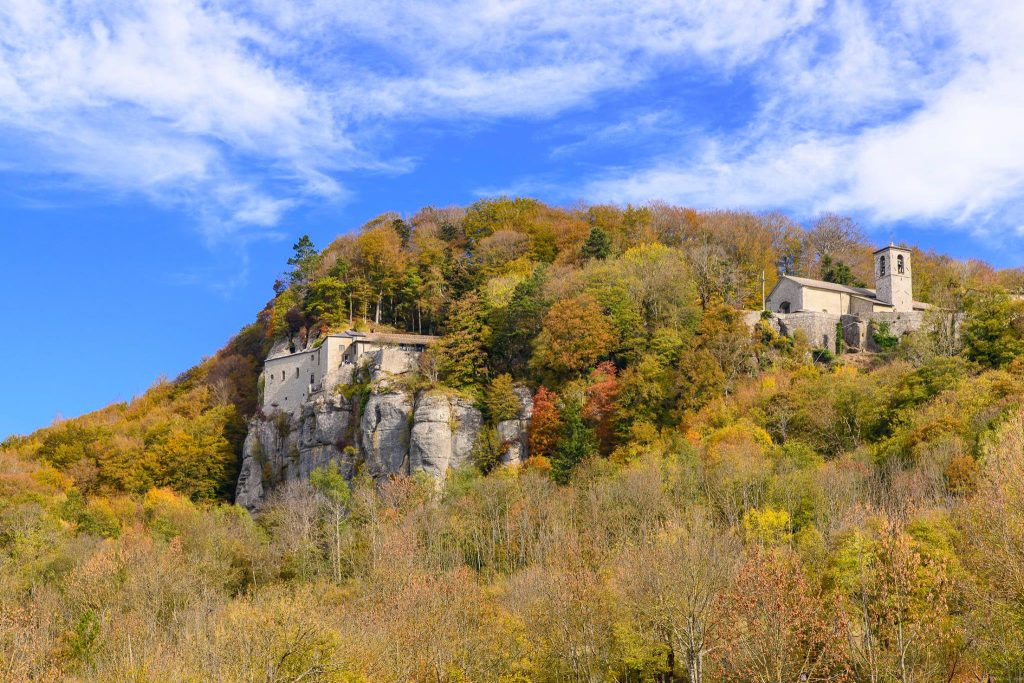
[802, 295]
[824, 311]
[291, 378]
[893, 290]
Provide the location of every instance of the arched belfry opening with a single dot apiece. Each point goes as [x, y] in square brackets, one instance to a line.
[881, 265]
[900, 268]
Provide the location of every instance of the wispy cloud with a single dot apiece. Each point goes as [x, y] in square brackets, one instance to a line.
[168, 98]
[180, 100]
[901, 115]
[242, 111]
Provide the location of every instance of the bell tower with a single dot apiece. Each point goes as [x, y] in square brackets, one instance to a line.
[893, 277]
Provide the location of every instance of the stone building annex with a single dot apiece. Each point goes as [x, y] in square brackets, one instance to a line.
[824, 311]
[291, 379]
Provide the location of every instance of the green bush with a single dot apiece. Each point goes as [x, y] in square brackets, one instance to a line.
[822, 355]
[886, 340]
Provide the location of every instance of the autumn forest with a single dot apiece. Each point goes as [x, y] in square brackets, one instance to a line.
[704, 500]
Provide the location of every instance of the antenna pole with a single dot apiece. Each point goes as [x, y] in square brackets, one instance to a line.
[762, 290]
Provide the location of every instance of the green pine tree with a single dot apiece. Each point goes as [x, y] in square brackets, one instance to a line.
[461, 354]
[303, 260]
[598, 245]
[577, 442]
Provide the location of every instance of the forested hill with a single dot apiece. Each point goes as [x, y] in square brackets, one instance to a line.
[703, 501]
[543, 294]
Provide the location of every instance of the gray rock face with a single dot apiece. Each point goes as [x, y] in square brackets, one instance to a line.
[281, 448]
[444, 431]
[384, 433]
[430, 447]
[466, 425]
[394, 433]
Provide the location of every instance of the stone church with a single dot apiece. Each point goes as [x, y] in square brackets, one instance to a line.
[840, 317]
[893, 291]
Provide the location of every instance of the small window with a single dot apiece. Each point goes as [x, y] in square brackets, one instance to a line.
[296, 373]
[282, 376]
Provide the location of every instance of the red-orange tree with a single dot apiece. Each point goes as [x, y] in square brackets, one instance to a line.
[546, 424]
[782, 628]
[599, 408]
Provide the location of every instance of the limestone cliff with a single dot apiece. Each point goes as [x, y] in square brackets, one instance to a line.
[383, 429]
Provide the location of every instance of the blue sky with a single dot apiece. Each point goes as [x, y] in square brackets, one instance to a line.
[158, 159]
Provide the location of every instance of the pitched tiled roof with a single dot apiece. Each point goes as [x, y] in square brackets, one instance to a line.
[833, 287]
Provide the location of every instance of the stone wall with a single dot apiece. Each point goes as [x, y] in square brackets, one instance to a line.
[857, 330]
[288, 379]
[899, 324]
[820, 328]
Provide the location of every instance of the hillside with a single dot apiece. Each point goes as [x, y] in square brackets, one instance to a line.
[694, 491]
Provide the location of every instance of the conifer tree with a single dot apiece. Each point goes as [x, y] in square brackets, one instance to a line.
[598, 245]
[303, 261]
[461, 354]
[577, 442]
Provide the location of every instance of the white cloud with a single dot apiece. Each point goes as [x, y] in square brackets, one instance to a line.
[181, 99]
[877, 124]
[242, 111]
[163, 99]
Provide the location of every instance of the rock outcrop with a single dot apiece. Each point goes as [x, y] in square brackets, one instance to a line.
[514, 433]
[384, 433]
[387, 432]
[444, 431]
[279, 448]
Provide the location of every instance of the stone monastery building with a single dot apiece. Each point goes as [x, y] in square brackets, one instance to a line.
[826, 311]
[892, 293]
[291, 379]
